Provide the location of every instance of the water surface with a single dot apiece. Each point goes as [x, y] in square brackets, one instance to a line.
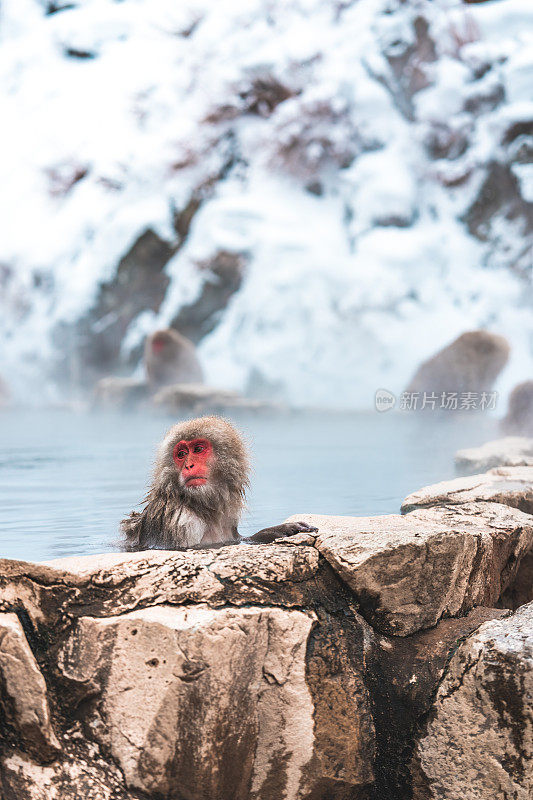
[67, 479]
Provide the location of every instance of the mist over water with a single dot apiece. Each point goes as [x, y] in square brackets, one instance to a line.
[67, 479]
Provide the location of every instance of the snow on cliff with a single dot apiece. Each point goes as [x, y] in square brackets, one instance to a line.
[369, 161]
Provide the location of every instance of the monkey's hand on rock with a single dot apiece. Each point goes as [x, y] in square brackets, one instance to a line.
[268, 535]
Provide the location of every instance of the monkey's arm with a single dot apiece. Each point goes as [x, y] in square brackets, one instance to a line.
[268, 535]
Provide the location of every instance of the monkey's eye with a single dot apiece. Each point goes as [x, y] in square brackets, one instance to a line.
[198, 448]
[181, 454]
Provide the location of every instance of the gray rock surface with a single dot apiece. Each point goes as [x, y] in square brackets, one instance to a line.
[234, 673]
[294, 670]
[512, 486]
[200, 399]
[23, 691]
[408, 572]
[478, 742]
[512, 451]
[215, 700]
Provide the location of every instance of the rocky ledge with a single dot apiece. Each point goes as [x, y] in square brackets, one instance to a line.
[512, 486]
[478, 740]
[343, 665]
[513, 451]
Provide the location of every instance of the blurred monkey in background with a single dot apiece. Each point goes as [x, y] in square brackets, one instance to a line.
[171, 358]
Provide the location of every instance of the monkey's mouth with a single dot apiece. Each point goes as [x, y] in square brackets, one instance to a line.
[196, 480]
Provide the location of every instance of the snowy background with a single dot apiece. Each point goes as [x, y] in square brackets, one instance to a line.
[321, 193]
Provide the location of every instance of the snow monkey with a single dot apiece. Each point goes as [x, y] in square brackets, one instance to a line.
[519, 418]
[197, 493]
[171, 358]
[471, 363]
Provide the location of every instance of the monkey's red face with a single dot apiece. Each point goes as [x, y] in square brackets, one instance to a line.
[158, 344]
[193, 460]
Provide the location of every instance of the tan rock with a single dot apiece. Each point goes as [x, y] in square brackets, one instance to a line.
[247, 673]
[520, 590]
[200, 399]
[478, 742]
[405, 572]
[23, 687]
[409, 571]
[512, 486]
[205, 703]
[325, 664]
[54, 592]
[70, 779]
[513, 451]
[403, 675]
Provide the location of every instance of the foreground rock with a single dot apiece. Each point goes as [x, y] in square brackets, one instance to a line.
[512, 486]
[513, 451]
[292, 671]
[471, 363]
[403, 675]
[410, 571]
[478, 742]
[218, 699]
[234, 673]
[24, 694]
